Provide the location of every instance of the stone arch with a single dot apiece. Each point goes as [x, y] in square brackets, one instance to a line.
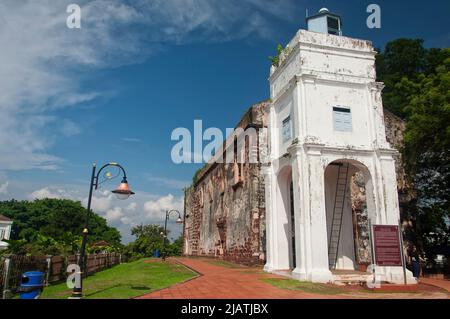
[347, 216]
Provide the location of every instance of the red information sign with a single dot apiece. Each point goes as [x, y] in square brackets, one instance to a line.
[387, 245]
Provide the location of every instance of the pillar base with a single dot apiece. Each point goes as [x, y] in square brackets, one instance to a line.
[299, 274]
[395, 275]
[268, 268]
[320, 276]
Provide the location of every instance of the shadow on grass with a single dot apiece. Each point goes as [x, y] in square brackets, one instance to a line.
[103, 290]
[138, 288]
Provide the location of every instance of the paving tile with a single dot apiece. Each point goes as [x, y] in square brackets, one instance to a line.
[217, 282]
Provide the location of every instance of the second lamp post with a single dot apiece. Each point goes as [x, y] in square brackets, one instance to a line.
[164, 235]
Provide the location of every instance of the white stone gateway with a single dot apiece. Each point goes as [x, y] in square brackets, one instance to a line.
[325, 124]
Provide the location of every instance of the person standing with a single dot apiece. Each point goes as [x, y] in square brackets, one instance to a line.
[414, 261]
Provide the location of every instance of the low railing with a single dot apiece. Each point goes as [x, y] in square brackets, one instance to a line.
[13, 266]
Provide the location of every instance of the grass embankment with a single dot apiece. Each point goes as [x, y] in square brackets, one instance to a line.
[305, 286]
[126, 280]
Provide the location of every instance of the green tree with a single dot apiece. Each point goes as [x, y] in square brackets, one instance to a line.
[427, 146]
[149, 239]
[405, 59]
[417, 84]
[175, 248]
[402, 58]
[54, 225]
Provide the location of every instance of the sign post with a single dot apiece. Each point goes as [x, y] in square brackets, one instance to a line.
[400, 236]
[388, 247]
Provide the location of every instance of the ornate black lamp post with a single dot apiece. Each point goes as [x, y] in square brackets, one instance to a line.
[122, 192]
[179, 221]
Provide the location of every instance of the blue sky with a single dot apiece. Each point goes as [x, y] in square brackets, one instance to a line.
[116, 88]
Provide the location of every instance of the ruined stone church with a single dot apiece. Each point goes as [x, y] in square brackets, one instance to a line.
[330, 167]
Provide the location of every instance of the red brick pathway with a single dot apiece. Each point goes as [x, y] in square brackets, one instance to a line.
[217, 282]
[441, 283]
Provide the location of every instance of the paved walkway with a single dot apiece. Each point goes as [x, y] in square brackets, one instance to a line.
[217, 282]
[442, 283]
[220, 282]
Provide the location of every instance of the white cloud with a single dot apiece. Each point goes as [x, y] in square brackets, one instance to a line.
[50, 192]
[114, 214]
[41, 59]
[101, 201]
[156, 209]
[131, 207]
[4, 188]
[126, 221]
[142, 208]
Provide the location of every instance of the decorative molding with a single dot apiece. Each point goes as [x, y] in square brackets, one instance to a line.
[376, 86]
[344, 79]
[387, 153]
[346, 52]
[288, 87]
[309, 78]
[315, 147]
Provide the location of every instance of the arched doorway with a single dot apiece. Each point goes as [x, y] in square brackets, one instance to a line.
[349, 206]
[286, 236]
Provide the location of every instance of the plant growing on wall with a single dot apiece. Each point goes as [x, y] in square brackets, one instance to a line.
[275, 60]
[282, 53]
[196, 175]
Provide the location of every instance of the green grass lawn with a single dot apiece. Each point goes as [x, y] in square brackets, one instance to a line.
[126, 280]
[305, 286]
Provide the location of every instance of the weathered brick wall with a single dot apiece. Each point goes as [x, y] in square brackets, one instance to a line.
[226, 213]
[360, 219]
[395, 131]
[192, 222]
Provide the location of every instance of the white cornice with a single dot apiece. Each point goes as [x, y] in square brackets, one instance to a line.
[353, 150]
[318, 77]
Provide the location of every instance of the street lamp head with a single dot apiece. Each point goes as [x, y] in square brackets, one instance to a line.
[123, 191]
[179, 221]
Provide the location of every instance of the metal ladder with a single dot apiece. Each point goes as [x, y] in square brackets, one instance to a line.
[338, 210]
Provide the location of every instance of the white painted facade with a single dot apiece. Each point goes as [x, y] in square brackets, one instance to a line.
[5, 232]
[317, 73]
